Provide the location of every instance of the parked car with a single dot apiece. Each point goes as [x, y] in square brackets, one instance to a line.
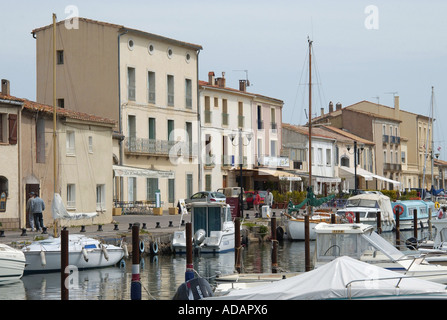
[205, 196]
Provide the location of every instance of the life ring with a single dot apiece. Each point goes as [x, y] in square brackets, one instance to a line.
[141, 246]
[437, 205]
[350, 216]
[154, 247]
[398, 208]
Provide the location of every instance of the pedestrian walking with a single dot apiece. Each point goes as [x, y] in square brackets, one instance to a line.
[256, 203]
[28, 210]
[269, 198]
[37, 207]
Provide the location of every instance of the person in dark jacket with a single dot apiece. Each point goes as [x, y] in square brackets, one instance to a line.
[37, 206]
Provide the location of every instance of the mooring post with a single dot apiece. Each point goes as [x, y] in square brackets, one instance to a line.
[415, 223]
[64, 264]
[379, 222]
[397, 228]
[274, 247]
[333, 220]
[189, 273]
[237, 244]
[306, 244]
[135, 286]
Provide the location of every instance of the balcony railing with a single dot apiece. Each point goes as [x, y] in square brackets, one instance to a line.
[159, 147]
[385, 138]
[395, 140]
[260, 124]
[392, 167]
[225, 119]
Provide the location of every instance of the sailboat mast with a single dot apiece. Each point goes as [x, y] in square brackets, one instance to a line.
[310, 112]
[432, 132]
[54, 105]
[54, 121]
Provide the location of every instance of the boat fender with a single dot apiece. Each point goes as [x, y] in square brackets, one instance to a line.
[194, 289]
[126, 251]
[398, 208]
[104, 251]
[85, 254]
[154, 247]
[279, 233]
[437, 205]
[43, 259]
[122, 264]
[350, 216]
[141, 246]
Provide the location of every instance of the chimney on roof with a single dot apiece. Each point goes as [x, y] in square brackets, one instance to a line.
[322, 111]
[243, 85]
[221, 81]
[6, 90]
[338, 106]
[396, 103]
[211, 78]
[331, 106]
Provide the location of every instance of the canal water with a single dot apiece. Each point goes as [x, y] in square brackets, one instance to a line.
[160, 275]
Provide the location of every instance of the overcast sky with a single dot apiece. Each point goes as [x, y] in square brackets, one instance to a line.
[363, 50]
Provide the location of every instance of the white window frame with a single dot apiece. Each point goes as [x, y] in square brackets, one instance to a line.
[71, 143]
[100, 197]
[71, 196]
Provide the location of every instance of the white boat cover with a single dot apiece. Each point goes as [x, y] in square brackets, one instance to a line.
[59, 212]
[334, 280]
[383, 201]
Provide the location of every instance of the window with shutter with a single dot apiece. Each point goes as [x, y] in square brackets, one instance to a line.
[12, 128]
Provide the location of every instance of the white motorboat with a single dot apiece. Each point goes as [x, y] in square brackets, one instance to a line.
[295, 225]
[212, 228]
[369, 205]
[344, 278]
[84, 253]
[12, 263]
[361, 242]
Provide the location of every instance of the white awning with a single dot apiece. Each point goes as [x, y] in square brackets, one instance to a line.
[284, 175]
[124, 171]
[346, 172]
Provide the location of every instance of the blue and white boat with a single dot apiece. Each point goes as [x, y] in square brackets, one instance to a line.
[212, 229]
[407, 216]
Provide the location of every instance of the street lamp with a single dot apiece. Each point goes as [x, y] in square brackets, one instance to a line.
[241, 144]
[356, 155]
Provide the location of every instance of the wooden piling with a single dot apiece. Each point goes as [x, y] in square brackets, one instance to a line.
[135, 286]
[237, 245]
[306, 244]
[415, 223]
[379, 222]
[64, 265]
[189, 273]
[333, 219]
[274, 246]
[397, 229]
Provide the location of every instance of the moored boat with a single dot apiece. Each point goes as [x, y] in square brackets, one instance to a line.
[406, 210]
[212, 228]
[12, 264]
[368, 206]
[295, 225]
[83, 253]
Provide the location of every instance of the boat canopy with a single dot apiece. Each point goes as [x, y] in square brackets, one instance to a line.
[373, 200]
[342, 278]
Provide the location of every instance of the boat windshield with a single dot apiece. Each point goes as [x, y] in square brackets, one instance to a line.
[362, 203]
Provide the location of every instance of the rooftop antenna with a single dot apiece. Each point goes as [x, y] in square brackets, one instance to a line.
[378, 99]
[246, 76]
[394, 93]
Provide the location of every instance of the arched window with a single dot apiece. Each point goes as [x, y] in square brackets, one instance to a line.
[344, 161]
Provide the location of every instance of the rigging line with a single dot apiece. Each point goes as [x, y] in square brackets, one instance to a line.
[298, 88]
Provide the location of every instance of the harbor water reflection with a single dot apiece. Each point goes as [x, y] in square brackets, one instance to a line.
[160, 275]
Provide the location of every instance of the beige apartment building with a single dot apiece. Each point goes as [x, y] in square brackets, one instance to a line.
[399, 136]
[239, 127]
[148, 84]
[83, 175]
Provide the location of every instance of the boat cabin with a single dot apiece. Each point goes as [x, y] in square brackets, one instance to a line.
[210, 217]
[358, 241]
[421, 206]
